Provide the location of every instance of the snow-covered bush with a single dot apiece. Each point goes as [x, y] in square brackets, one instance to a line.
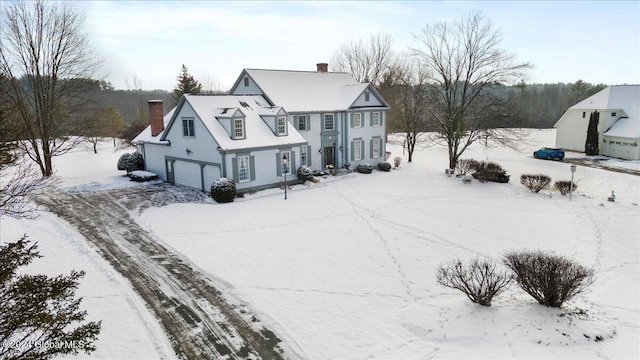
[384, 166]
[123, 162]
[548, 278]
[223, 190]
[536, 182]
[464, 166]
[396, 161]
[142, 176]
[564, 186]
[305, 173]
[479, 280]
[489, 171]
[364, 168]
[131, 162]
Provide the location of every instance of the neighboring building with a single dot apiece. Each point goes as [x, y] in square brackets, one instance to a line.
[343, 121]
[618, 128]
[315, 119]
[206, 137]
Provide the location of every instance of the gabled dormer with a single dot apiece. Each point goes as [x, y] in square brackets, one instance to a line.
[233, 120]
[276, 120]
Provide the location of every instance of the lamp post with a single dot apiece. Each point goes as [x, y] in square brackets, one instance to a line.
[285, 170]
[573, 170]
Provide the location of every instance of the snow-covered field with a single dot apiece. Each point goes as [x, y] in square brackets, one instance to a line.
[345, 269]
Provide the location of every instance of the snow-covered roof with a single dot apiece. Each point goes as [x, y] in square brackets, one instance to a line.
[258, 133]
[308, 91]
[617, 97]
[145, 135]
[625, 127]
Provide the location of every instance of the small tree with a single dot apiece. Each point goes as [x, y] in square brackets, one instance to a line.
[186, 85]
[223, 190]
[535, 183]
[479, 280]
[548, 278]
[37, 309]
[591, 146]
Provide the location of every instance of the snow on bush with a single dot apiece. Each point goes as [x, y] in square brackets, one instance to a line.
[564, 186]
[535, 183]
[464, 166]
[142, 176]
[384, 166]
[364, 168]
[304, 173]
[131, 162]
[548, 278]
[396, 161]
[479, 280]
[489, 171]
[223, 190]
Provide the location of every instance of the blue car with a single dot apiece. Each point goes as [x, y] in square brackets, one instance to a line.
[549, 153]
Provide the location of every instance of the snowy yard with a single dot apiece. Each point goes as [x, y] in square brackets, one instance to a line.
[345, 269]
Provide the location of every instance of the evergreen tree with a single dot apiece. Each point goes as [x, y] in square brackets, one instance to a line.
[186, 85]
[40, 315]
[591, 146]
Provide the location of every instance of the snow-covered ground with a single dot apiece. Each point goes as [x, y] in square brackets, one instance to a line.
[345, 269]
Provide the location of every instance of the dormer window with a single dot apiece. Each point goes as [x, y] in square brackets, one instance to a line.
[366, 96]
[246, 81]
[238, 128]
[282, 125]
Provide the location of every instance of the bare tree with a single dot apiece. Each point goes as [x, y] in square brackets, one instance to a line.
[467, 64]
[46, 60]
[133, 82]
[405, 88]
[367, 61]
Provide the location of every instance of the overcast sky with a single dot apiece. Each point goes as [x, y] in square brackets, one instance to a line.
[598, 42]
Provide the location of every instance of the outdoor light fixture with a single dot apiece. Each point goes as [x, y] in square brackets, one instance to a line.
[573, 170]
[189, 151]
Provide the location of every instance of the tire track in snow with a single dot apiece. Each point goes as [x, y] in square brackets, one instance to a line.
[199, 321]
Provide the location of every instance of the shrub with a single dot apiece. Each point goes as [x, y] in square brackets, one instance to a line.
[123, 161]
[479, 280]
[135, 162]
[304, 173]
[535, 183]
[396, 161]
[142, 176]
[464, 166]
[384, 166]
[564, 186]
[364, 168]
[548, 278]
[223, 190]
[489, 171]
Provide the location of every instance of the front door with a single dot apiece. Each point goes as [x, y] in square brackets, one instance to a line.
[328, 156]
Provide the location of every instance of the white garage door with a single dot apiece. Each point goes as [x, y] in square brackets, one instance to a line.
[211, 173]
[187, 174]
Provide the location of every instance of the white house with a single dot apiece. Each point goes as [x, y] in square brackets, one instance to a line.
[206, 137]
[618, 127]
[343, 121]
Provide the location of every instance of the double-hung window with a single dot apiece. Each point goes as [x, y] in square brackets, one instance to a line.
[375, 119]
[243, 169]
[357, 150]
[357, 120]
[238, 128]
[328, 122]
[285, 166]
[375, 148]
[302, 122]
[187, 127]
[282, 125]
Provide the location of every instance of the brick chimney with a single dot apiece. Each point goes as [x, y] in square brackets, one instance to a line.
[322, 67]
[156, 117]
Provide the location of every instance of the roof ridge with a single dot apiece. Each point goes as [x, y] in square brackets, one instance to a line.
[301, 71]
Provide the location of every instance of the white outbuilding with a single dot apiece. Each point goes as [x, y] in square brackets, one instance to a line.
[618, 126]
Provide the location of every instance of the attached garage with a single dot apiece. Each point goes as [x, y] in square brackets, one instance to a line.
[210, 174]
[187, 174]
